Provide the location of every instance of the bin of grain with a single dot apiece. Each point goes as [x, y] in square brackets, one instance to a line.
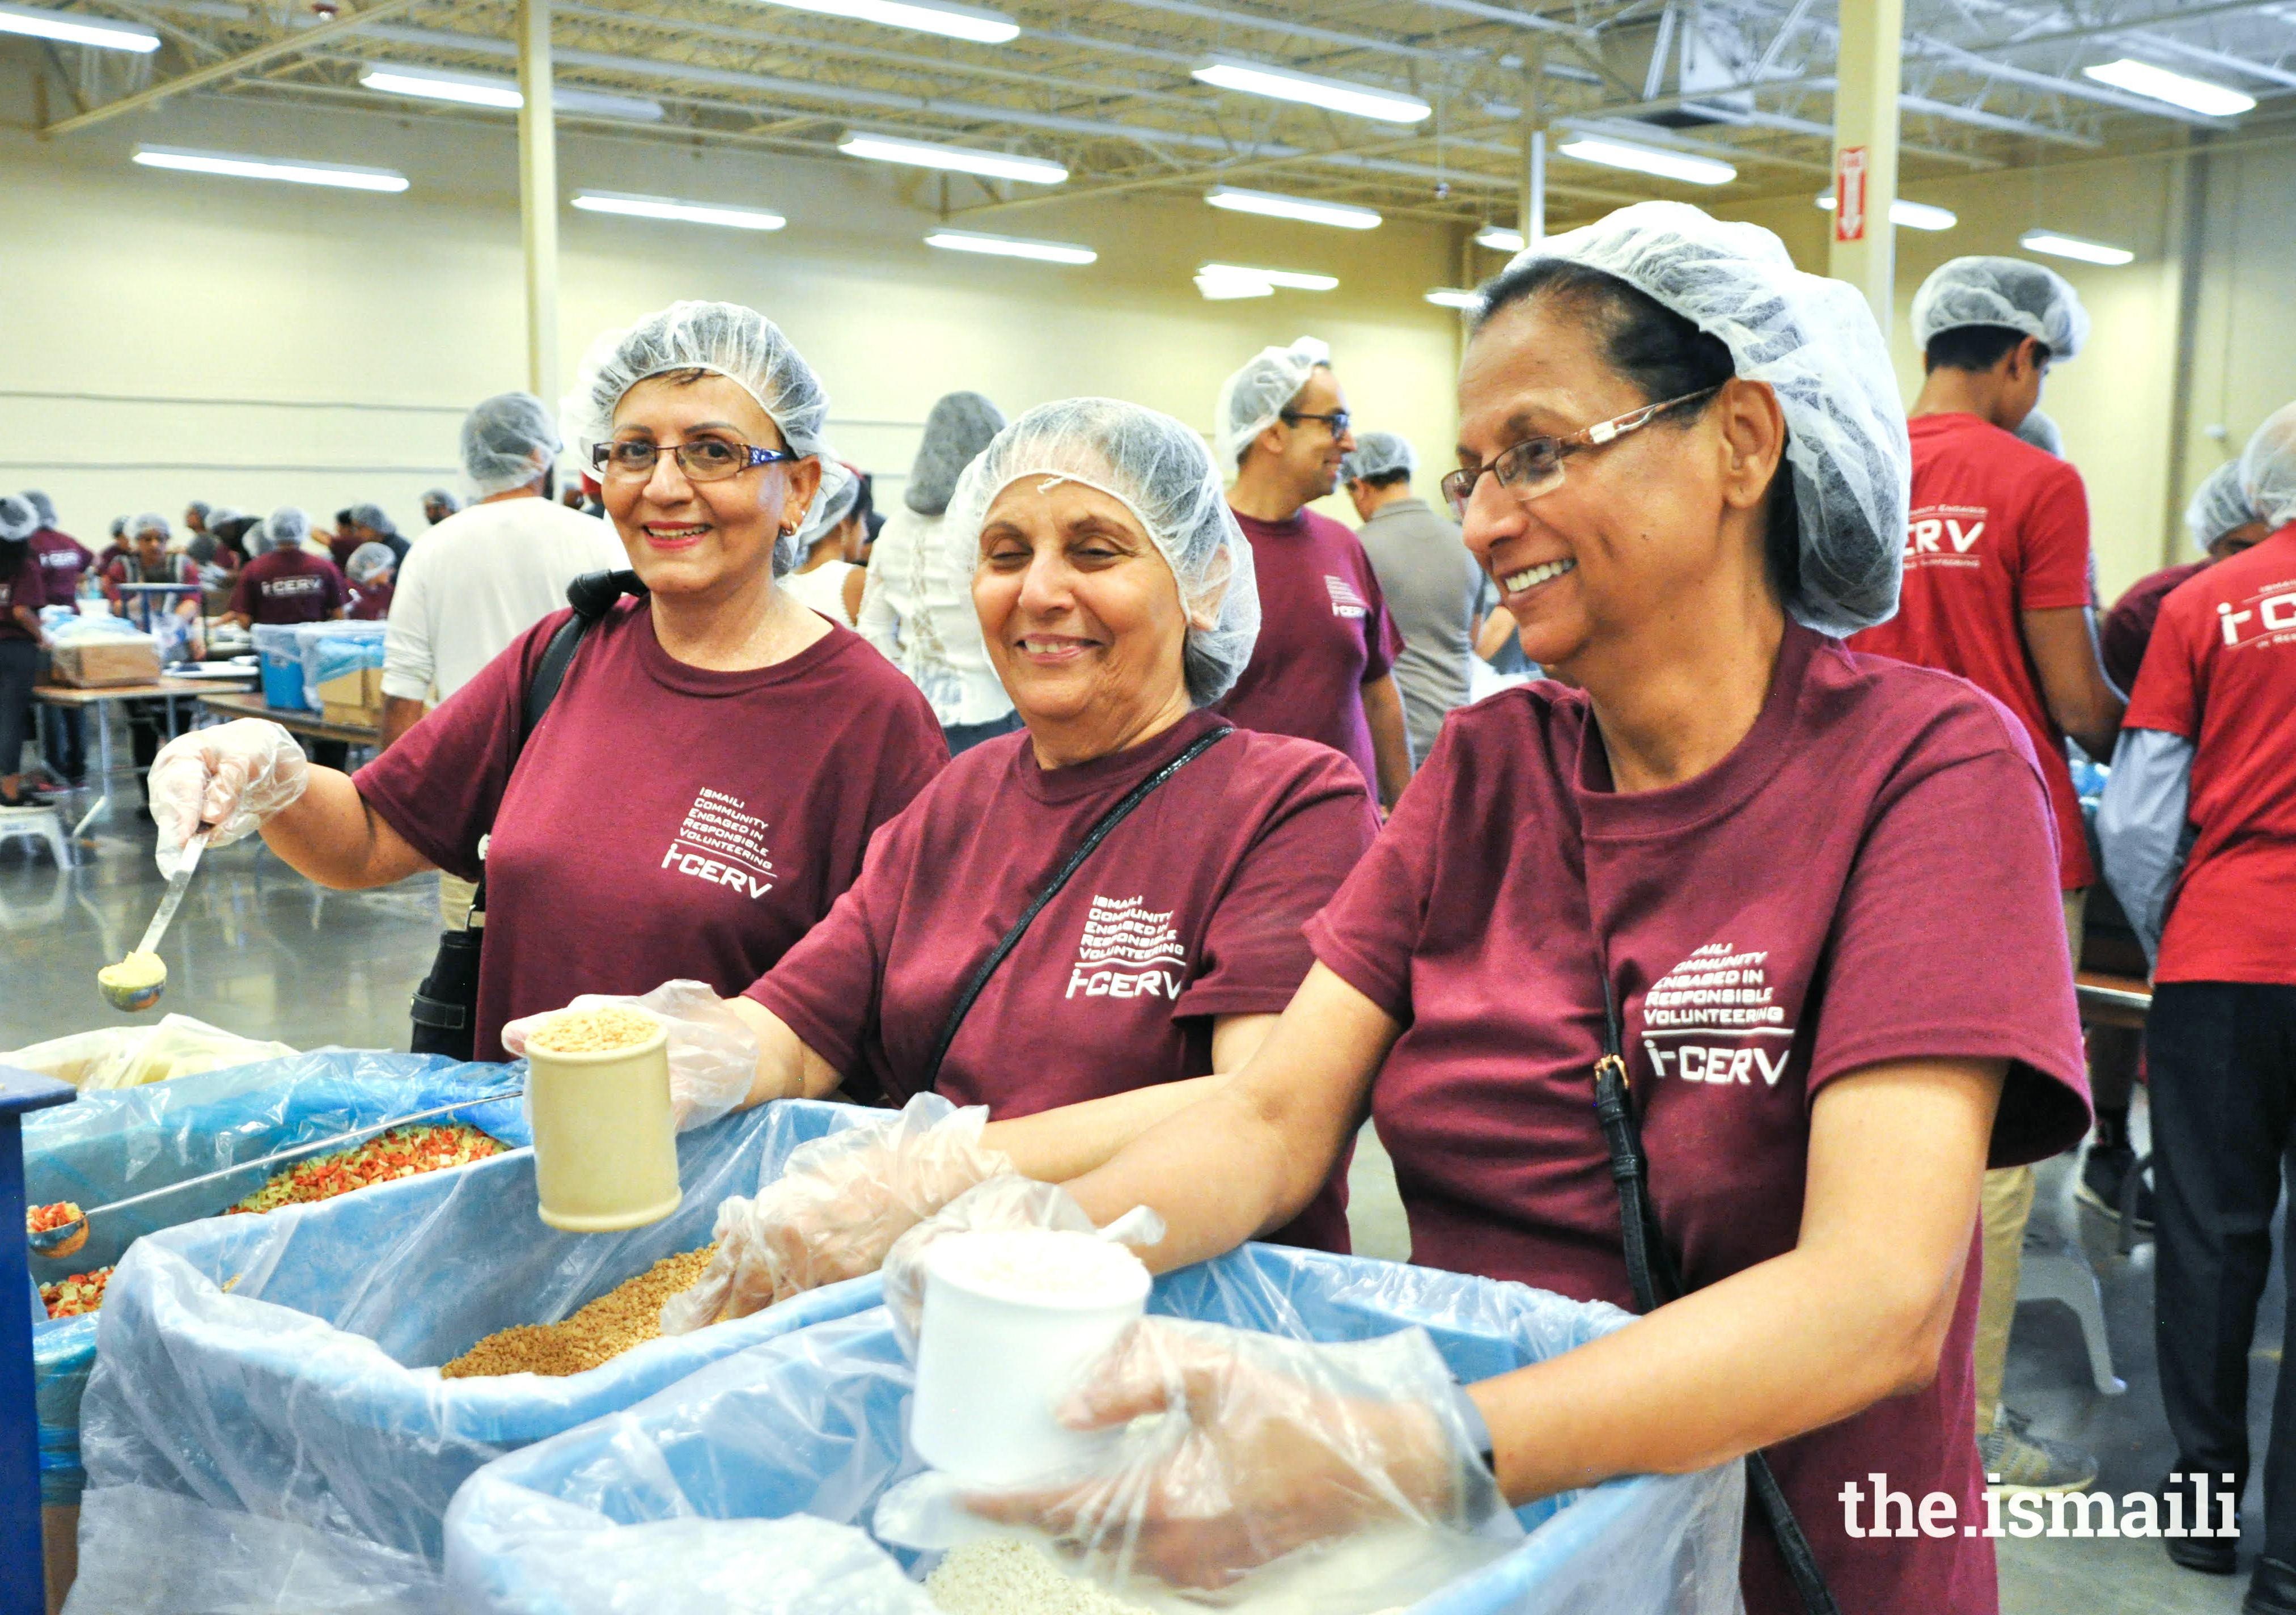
[605, 1138]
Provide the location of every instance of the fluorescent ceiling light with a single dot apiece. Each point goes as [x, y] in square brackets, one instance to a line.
[2073, 246]
[1274, 206]
[682, 212]
[1010, 246]
[501, 94]
[2195, 95]
[1907, 214]
[1499, 239]
[1290, 280]
[1336, 95]
[973, 22]
[70, 28]
[1226, 288]
[344, 176]
[964, 160]
[1649, 159]
[1448, 297]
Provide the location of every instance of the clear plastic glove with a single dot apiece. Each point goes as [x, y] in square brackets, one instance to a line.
[235, 776]
[837, 1209]
[1006, 1201]
[713, 1056]
[1351, 1464]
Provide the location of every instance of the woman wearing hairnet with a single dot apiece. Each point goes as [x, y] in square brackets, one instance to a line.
[1114, 592]
[21, 639]
[701, 788]
[916, 610]
[1818, 888]
[829, 576]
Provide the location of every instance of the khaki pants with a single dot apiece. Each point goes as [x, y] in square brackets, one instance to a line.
[454, 901]
[2004, 1205]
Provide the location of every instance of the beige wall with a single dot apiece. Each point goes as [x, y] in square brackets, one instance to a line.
[2244, 339]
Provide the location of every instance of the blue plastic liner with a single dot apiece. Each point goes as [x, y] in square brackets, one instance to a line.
[266, 1420]
[685, 1502]
[109, 1145]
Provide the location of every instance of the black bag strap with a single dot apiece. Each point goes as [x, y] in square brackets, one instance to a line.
[1656, 1280]
[592, 596]
[1099, 833]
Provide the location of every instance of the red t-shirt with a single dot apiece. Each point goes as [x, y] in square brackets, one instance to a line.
[370, 602]
[1192, 908]
[2221, 672]
[62, 559]
[2127, 627]
[664, 820]
[288, 586]
[1323, 631]
[1869, 875]
[22, 586]
[1998, 527]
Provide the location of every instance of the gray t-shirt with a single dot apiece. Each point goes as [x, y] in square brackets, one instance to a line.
[1431, 584]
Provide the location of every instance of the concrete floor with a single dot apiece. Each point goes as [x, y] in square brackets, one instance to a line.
[261, 952]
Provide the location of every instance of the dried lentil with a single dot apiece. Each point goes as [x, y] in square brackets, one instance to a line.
[403, 1152]
[625, 1317]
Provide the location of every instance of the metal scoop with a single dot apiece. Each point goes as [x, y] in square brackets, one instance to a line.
[66, 1238]
[134, 996]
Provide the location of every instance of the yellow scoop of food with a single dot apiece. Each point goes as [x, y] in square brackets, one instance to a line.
[135, 983]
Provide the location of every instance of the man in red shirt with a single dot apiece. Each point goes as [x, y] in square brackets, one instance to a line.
[63, 560]
[287, 583]
[1998, 588]
[2204, 754]
[1320, 668]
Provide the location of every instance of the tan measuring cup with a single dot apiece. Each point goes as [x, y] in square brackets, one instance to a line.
[605, 1140]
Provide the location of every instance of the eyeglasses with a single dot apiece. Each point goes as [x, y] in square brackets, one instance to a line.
[1534, 466]
[1337, 420]
[705, 459]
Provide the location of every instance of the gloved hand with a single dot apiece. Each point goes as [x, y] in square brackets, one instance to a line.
[836, 1209]
[1267, 1447]
[713, 1056]
[235, 776]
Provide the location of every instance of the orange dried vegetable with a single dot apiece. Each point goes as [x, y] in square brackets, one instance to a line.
[82, 1292]
[40, 1219]
[403, 1152]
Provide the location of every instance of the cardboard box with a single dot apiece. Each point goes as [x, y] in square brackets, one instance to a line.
[356, 697]
[93, 664]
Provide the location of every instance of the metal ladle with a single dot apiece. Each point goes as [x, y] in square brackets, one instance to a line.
[139, 996]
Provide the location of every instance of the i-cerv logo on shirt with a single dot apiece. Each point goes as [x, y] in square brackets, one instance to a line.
[722, 844]
[1942, 534]
[2270, 612]
[1345, 601]
[1714, 1018]
[296, 583]
[1126, 951]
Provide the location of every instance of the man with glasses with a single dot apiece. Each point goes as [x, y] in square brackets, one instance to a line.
[1321, 668]
[2000, 588]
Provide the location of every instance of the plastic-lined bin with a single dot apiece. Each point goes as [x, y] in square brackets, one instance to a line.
[280, 661]
[696, 1500]
[329, 650]
[266, 1420]
[112, 1144]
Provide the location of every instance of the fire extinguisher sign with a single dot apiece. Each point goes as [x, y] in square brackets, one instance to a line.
[1849, 193]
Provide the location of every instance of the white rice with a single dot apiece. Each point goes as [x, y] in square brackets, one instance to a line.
[1008, 1576]
[1036, 1262]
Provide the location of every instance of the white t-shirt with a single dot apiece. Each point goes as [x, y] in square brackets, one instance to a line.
[919, 613]
[823, 589]
[479, 579]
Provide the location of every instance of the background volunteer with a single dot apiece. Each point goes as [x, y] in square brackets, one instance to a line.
[701, 788]
[829, 576]
[1321, 669]
[2000, 588]
[913, 609]
[64, 560]
[2222, 524]
[285, 582]
[1429, 582]
[2205, 745]
[21, 639]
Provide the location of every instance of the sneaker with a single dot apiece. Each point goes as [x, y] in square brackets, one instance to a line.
[2103, 1175]
[2272, 1590]
[2018, 1462]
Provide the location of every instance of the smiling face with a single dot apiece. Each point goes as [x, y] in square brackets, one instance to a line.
[1304, 455]
[1640, 531]
[1082, 616]
[703, 538]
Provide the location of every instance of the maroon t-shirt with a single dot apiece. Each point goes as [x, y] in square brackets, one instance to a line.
[370, 602]
[1190, 909]
[24, 587]
[1323, 631]
[2128, 627]
[664, 822]
[1871, 875]
[287, 586]
[62, 559]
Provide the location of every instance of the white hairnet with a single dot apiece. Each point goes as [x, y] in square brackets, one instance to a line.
[257, 539]
[2219, 506]
[447, 497]
[370, 561]
[957, 427]
[2041, 432]
[2267, 469]
[43, 507]
[1376, 454]
[508, 441]
[2001, 291]
[1252, 399]
[147, 523]
[726, 339]
[290, 525]
[830, 507]
[1815, 342]
[1159, 470]
[18, 520]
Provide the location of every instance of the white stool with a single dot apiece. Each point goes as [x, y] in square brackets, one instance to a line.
[37, 824]
[2057, 1269]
